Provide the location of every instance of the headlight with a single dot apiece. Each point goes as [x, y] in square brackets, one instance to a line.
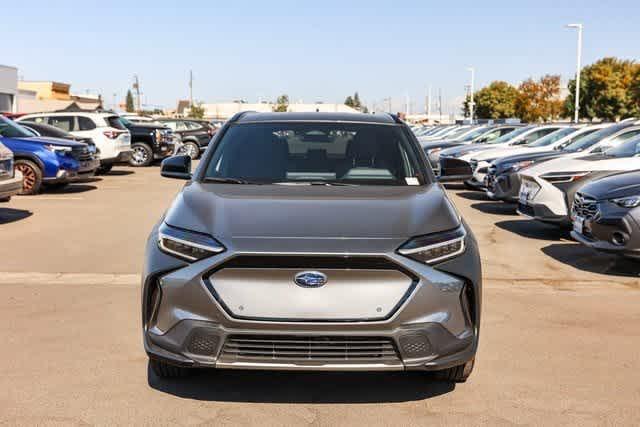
[515, 167]
[58, 149]
[5, 154]
[562, 177]
[437, 247]
[627, 202]
[187, 245]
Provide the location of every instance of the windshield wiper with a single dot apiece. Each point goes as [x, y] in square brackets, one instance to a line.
[227, 180]
[326, 183]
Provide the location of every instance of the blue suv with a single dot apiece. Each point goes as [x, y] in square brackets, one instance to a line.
[51, 162]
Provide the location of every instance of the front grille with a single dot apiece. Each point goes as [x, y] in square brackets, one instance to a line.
[585, 206]
[491, 178]
[81, 153]
[474, 165]
[301, 349]
[453, 167]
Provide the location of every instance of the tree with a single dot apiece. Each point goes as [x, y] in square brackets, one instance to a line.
[349, 101]
[608, 90]
[539, 100]
[496, 101]
[354, 102]
[282, 104]
[197, 111]
[129, 102]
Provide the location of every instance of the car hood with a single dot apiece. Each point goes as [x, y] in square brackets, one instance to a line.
[614, 186]
[52, 141]
[358, 219]
[593, 162]
[497, 153]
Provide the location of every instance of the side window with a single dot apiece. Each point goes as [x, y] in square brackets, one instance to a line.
[181, 125]
[66, 123]
[192, 126]
[170, 125]
[39, 120]
[536, 135]
[623, 137]
[85, 123]
[505, 131]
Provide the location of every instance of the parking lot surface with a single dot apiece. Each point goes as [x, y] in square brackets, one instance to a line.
[559, 341]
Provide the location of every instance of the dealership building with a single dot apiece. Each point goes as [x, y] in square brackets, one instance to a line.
[8, 89]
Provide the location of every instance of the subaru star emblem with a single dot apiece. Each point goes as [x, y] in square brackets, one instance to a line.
[310, 279]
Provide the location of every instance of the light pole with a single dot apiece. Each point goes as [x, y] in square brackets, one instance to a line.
[576, 117]
[471, 103]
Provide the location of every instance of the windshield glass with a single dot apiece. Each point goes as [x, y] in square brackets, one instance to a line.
[552, 137]
[628, 148]
[116, 122]
[509, 136]
[473, 135]
[591, 139]
[315, 154]
[10, 129]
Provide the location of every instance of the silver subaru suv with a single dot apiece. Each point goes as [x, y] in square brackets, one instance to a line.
[311, 241]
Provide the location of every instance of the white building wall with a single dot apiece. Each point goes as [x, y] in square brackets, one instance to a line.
[225, 110]
[8, 88]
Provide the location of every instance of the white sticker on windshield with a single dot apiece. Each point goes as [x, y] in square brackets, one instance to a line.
[412, 180]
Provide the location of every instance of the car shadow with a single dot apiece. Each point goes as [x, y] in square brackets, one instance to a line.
[534, 229]
[301, 387]
[8, 215]
[474, 195]
[88, 180]
[71, 189]
[119, 172]
[496, 208]
[587, 259]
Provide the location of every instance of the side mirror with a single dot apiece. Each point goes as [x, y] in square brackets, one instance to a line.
[177, 167]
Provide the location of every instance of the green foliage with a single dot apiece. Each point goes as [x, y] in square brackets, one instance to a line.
[129, 102]
[539, 100]
[196, 111]
[496, 101]
[355, 103]
[609, 90]
[282, 104]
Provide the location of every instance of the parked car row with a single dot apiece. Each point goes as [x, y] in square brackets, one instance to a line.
[54, 149]
[583, 177]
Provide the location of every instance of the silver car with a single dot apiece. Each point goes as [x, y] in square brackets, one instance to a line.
[311, 241]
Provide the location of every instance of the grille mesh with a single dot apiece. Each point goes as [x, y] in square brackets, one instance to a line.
[203, 342]
[309, 348]
[585, 206]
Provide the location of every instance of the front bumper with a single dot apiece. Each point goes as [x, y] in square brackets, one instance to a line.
[189, 321]
[122, 157]
[505, 187]
[614, 230]
[10, 187]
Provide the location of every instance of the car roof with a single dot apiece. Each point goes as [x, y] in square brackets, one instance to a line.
[253, 117]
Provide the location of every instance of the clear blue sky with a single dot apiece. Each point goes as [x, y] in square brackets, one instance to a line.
[321, 50]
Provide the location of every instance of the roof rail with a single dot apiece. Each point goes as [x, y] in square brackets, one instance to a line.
[238, 116]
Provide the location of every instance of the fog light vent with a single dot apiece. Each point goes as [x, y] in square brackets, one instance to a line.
[203, 342]
[415, 346]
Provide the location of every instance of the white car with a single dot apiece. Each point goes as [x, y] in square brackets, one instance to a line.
[548, 189]
[105, 129]
[514, 139]
[559, 138]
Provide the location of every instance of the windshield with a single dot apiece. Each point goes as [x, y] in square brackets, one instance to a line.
[116, 122]
[314, 154]
[628, 148]
[10, 129]
[473, 135]
[552, 137]
[592, 139]
[509, 136]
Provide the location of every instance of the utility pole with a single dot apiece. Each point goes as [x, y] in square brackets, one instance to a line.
[136, 86]
[190, 88]
[440, 104]
[406, 104]
[579, 27]
[429, 105]
[471, 104]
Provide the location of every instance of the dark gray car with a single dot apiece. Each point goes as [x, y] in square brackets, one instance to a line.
[606, 214]
[311, 241]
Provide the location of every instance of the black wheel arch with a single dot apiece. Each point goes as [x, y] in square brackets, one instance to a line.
[21, 155]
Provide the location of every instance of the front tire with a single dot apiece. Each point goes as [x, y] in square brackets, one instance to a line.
[104, 169]
[165, 370]
[192, 150]
[32, 177]
[142, 155]
[456, 374]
